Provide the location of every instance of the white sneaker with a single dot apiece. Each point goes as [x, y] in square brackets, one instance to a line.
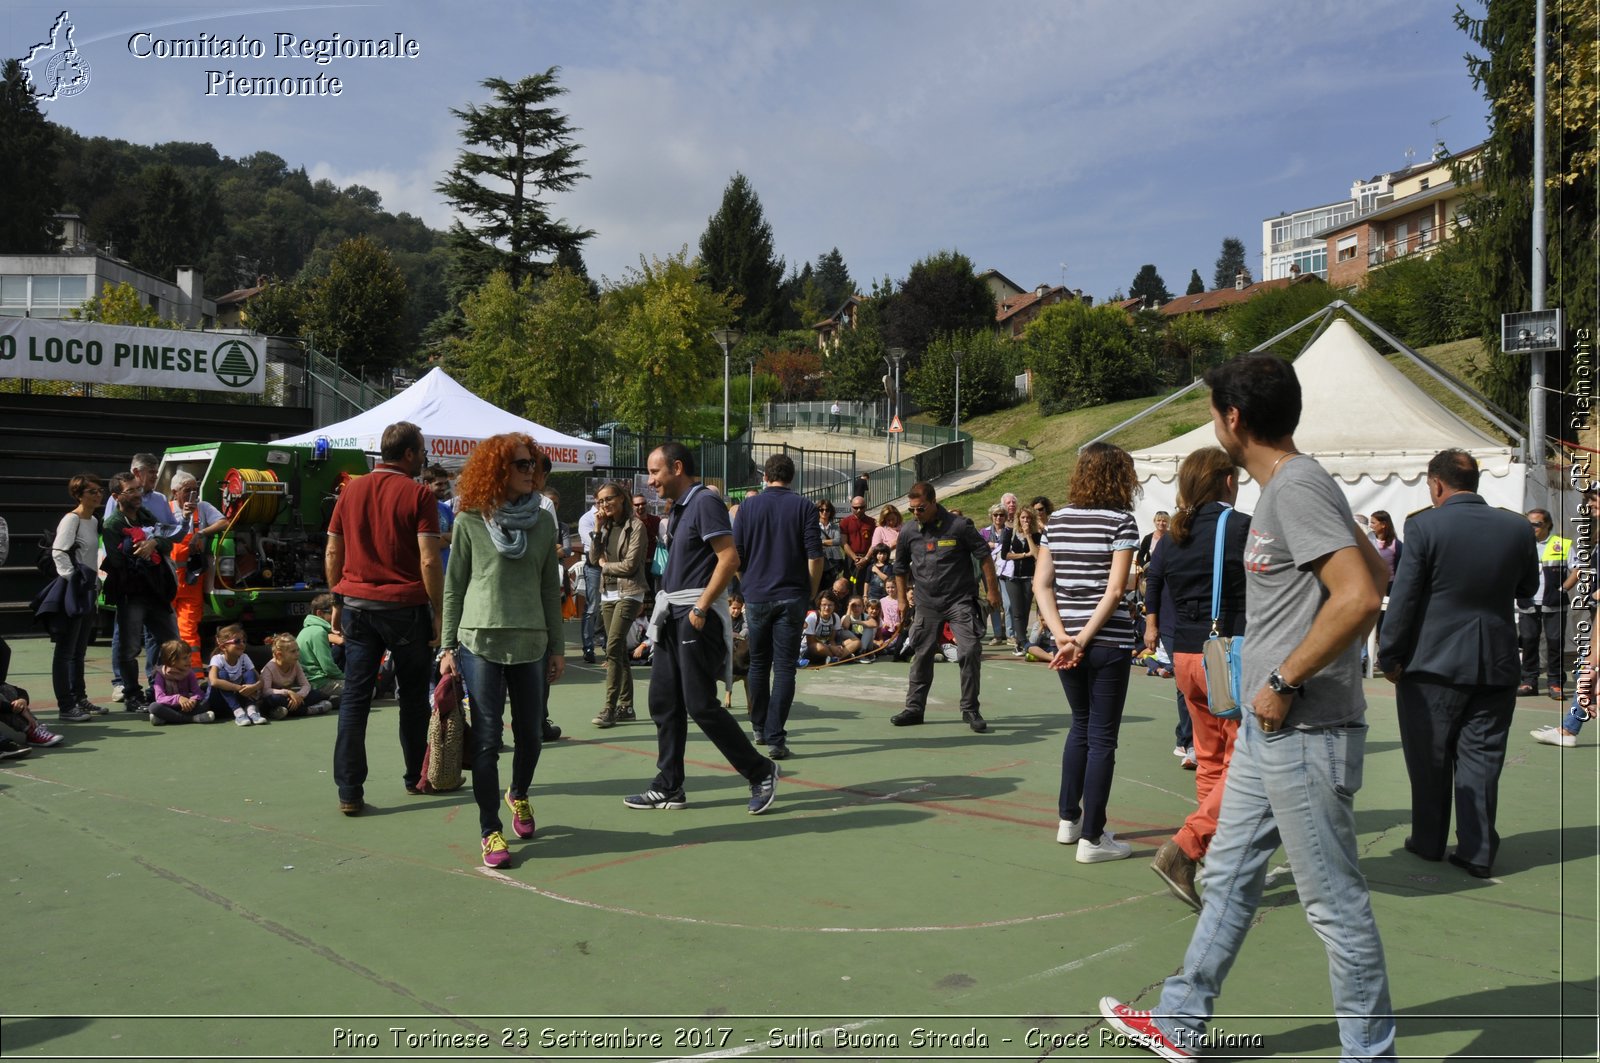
[116, 691]
[1552, 736]
[1180, 751]
[1069, 831]
[1107, 849]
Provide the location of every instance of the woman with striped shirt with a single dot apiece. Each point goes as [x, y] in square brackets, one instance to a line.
[1081, 574]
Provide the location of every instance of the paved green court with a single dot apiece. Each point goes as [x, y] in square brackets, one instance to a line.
[192, 893]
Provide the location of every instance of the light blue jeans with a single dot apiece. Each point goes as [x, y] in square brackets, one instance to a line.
[1297, 787]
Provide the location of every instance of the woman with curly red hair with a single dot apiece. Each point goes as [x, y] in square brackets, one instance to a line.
[502, 624]
[1080, 575]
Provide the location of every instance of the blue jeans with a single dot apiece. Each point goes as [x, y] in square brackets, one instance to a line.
[405, 633]
[1298, 787]
[151, 651]
[593, 630]
[140, 618]
[1097, 690]
[490, 683]
[772, 630]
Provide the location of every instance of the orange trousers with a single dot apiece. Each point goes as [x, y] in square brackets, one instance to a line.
[1213, 751]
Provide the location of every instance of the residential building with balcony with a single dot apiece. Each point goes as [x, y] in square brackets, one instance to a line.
[1421, 211]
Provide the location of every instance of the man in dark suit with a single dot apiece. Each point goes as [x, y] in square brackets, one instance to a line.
[1449, 645]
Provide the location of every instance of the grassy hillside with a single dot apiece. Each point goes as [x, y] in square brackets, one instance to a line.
[1055, 440]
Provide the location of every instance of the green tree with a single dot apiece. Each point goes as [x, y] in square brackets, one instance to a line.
[531, 349]
[1423, 301]
[942, 294]
[358, 308]
[796, 371]
[736, 254]
[1189, 345]
[1498, 242]
[1085, 356]
[279, 309]
[986, 380]
[657, 322]
[1149, 286]
[1196, 285]
[855, 368]
[120, 304]
[833, 280]
[27, 169]
[1253, 323]
[520, 152]
[1229, 263]
[166, 233]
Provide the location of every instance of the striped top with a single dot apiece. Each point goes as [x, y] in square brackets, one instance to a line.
[1081, 543]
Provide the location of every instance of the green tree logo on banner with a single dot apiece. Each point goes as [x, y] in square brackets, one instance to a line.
[235, 364]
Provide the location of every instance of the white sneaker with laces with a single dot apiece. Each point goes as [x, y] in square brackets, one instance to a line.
[1107, 848]
[1069, 831]
[1553, 736]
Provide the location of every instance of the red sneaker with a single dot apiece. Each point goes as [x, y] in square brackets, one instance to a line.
[38, 736]
[1140, 1029]
[495, 853]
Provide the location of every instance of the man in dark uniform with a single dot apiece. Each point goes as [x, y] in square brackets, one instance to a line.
[1450, 647]
[935, 553]
[693, 643]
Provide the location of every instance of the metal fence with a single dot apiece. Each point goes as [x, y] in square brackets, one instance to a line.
[814, 469]
[854, 419]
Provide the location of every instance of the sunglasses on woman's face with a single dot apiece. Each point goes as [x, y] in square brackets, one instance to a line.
[522, 464]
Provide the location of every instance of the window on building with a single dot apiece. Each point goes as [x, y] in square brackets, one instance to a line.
[1347, 248]
[13, 296]
[1423, 185]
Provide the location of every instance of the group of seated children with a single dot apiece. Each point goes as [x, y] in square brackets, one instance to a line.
[867, 629]
[233, 687]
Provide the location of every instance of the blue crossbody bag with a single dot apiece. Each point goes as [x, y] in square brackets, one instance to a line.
[1222, 655]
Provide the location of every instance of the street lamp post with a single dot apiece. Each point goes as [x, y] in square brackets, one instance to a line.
[750, 403]
[726, 338]
[956, 354]
[895, 355]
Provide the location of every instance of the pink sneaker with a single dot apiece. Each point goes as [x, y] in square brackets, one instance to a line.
[1141, 1030]
[495, 853]
[521, 815]
[38, 736]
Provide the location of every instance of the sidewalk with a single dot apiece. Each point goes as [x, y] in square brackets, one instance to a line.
[988, 459]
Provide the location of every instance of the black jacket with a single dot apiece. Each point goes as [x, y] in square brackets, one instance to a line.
[1183, 570]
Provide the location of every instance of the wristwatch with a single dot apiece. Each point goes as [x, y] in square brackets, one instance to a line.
[697, 611]
[1280, 685]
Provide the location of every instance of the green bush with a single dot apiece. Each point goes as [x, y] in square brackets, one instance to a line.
[1087, 356]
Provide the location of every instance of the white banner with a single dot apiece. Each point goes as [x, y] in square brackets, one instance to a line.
[41, 349]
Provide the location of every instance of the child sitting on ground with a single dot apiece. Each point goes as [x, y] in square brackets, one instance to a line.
[285, 690]
[823, 643]
[234, 685]
[179, 695]
[16, 716]
[322, 651]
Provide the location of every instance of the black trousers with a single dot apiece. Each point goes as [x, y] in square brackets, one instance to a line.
[1548, 625]
[1454, 739]
[684, 671]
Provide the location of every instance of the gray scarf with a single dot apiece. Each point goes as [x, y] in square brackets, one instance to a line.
[508, 527]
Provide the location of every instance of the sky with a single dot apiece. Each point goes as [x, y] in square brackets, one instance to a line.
[1059, 141]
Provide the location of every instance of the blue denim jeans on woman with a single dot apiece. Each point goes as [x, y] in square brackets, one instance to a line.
[772, 631]
[1297, 787]
[1097, 689]
[405, 634]
[488, 687]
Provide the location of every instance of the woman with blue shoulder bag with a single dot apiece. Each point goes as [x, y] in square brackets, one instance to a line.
[1200, 567]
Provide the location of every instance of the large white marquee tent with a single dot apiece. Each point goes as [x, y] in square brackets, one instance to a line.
[1367, 424]
[453, 421]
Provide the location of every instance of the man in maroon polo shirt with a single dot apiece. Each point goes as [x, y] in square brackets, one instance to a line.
[858, 529]
[384, 566]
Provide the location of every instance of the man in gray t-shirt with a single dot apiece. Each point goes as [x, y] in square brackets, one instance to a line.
[1313, 588]
[1302, 518]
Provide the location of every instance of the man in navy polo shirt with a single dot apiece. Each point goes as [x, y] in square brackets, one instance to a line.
[693, 640]
[780, 561]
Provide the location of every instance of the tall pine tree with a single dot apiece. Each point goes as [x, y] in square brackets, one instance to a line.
[736, 256]
[1149, 286]
[1229, 263]
[520, 152]
[833, 280]
[1196, 285]
[27, 169]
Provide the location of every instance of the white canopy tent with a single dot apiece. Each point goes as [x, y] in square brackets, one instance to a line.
[453, 421]
[1367, 424]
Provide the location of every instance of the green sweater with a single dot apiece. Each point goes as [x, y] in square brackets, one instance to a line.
[504, 611]
[316, 652]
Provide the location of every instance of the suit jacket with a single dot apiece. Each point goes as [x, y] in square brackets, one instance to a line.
[1452, 614]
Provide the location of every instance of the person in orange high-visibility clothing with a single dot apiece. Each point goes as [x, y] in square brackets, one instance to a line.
[200, 519]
